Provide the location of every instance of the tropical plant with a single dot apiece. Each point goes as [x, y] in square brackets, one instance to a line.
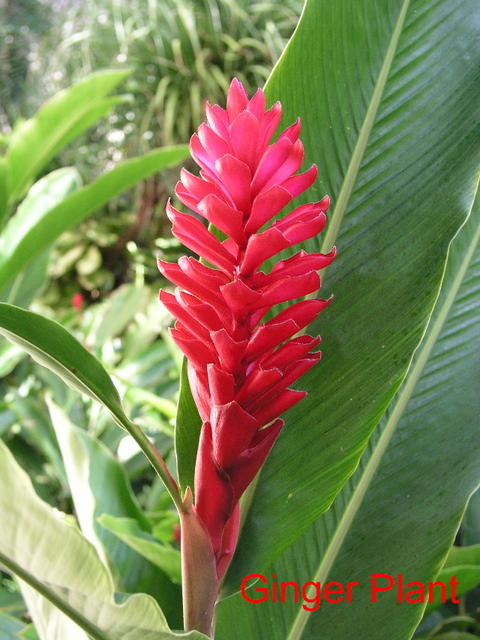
[373, 470]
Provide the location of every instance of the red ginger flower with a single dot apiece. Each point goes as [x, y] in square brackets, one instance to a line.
[239, 367]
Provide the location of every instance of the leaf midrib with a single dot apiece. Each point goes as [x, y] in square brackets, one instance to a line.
[353, 167]
[89, 627]
[351, 174]
[380, 448]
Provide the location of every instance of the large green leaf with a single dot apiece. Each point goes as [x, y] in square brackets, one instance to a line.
[386, 92]
[99, 487]
[50, 622]
[400, 511]
[23, 238]
[34, 142]
[48, 553]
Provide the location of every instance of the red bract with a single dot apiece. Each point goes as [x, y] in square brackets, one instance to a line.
[240, 366]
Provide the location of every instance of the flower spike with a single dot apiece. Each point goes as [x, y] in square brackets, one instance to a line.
[239, 366]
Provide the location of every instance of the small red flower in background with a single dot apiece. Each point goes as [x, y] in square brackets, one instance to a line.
[78, 301]
[240, 366]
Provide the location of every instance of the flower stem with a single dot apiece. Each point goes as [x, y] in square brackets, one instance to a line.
[157, 462]
[199, 576]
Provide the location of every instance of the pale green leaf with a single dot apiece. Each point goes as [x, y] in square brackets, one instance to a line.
[34, 142]
[41, 548]
[23, 239]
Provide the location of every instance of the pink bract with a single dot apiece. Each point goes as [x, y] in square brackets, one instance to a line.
[241, 366]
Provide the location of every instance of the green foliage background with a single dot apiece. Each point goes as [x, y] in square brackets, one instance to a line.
[179, 53]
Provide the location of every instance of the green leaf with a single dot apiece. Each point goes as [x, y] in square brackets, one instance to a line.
[455, 635]
[163, 556]
[9, 627]
[164, 406]
[471, 523]
[11, 603]
[96, 111]
[29, 633]
[99, 486]
[55, 348]
[43, 196]
[29, 283]
[383, 89]
[10, 356]
[119, 309]
[39, 545]
[400, 512]
[37, 431]
[34, 142]
[3, 190]
[23, 239]
[464, 564]
[187, 432]
[50, 622]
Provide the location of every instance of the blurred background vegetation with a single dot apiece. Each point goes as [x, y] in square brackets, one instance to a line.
[180, 52]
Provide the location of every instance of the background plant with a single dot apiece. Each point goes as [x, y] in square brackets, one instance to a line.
[180, 54]
[394, 149]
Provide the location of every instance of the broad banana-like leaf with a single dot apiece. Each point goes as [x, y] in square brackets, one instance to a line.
[386, 92]
[25, 237]
[70, 112]
[400, 511]
[50, 622]
[49, 554]
[99, 487]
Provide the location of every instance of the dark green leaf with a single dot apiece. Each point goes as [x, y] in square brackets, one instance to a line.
[400, 511]
[385, 91]
[187, 433]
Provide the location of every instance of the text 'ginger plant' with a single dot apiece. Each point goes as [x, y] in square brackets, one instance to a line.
[240, 366]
